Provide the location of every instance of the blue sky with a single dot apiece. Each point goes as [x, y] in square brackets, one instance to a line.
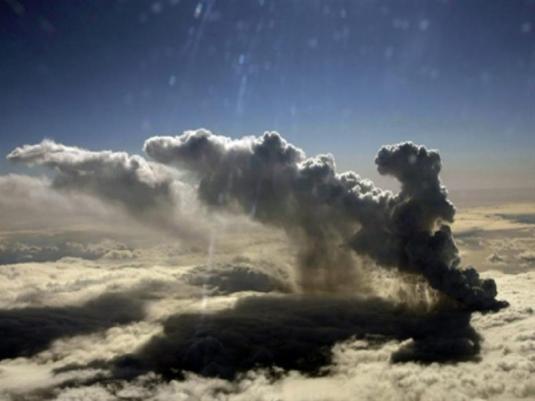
[332, 76]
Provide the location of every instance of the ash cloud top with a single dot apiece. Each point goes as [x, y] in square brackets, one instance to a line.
[148, 191]
[326, 212]
[127, 179]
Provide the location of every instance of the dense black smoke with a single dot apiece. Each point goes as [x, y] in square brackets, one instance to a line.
[322, 209]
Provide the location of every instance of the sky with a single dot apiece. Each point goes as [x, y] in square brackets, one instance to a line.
[343, 77]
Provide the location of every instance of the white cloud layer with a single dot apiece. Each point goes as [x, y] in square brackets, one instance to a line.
[503, 372]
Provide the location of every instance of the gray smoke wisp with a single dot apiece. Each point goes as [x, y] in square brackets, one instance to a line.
[321, 209]
[148, 191]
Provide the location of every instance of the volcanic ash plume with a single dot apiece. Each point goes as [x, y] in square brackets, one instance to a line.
[148, 191]
[321, 209]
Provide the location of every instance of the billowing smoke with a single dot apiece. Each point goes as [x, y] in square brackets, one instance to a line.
[327, 213]
[146, 190]
[274, 182]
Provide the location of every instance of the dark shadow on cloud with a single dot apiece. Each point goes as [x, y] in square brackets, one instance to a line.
[296, 333]
[28, 331]
[230, 278]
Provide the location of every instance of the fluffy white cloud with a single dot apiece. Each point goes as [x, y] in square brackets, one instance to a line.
[362, 367]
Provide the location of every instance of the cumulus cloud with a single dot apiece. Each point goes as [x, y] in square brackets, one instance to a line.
[357, 366]
[331, 362]
[322, 209]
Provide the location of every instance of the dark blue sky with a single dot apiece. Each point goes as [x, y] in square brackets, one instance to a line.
[337, 76]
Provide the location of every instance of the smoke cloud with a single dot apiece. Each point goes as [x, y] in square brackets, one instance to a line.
[116, 176]
[146, 190]
[328, 213]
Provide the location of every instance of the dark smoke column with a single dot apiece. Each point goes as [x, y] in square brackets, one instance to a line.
[320, 209]
[417, 232]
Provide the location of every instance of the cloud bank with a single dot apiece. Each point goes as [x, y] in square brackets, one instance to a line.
[313, 328]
